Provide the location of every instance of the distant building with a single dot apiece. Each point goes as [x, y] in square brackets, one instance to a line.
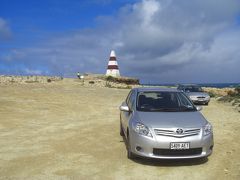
[112, 69]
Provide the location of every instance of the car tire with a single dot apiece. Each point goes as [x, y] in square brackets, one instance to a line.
[121, 130]
[206, 104]
[130, 155]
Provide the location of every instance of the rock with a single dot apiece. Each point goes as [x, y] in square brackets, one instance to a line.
[226, 171]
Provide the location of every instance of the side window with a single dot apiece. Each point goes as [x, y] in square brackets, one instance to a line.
[185, 101]
[130, 99]
[180, 87]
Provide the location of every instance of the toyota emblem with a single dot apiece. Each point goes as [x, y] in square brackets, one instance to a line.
[179, 131]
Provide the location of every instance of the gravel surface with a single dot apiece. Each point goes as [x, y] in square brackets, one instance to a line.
[66, 131]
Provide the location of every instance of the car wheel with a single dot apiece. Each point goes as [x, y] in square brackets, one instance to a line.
[206, 104]
[130, 155]
[121, 130]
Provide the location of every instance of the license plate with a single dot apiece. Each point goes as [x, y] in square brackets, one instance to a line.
[185, 145]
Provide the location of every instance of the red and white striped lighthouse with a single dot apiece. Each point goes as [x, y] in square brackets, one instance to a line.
[112, 69]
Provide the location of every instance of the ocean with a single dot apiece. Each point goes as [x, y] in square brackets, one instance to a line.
[215, 85]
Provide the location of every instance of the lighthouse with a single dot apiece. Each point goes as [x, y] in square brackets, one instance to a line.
[112, 69]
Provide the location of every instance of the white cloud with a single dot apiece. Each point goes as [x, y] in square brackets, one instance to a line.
[32, 71]
[5, 31]
[146, 11]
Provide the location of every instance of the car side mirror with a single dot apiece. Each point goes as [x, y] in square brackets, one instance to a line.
[124, 108]
[199, 108]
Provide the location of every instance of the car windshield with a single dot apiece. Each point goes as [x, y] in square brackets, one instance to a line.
[163, 102]
[193, 89]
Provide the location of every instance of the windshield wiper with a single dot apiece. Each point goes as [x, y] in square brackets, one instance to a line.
[165, 109]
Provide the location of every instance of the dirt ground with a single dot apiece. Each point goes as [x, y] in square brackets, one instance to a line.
[66, 131]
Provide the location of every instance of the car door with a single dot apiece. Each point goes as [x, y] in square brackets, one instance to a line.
[126, 116]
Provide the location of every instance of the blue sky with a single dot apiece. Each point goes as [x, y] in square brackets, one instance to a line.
[31, 21]
[158, 41]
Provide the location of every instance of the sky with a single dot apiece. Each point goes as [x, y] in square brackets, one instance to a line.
[157, 41]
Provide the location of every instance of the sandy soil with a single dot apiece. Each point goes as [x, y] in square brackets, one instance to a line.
[66, 131]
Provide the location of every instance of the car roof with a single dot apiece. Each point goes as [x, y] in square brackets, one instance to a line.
[188, 85]
[151, 89]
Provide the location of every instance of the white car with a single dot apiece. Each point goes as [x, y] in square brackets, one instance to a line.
[195, 93]
[164, 124]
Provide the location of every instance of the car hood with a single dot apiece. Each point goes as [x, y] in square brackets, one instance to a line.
[197, 94]
[171, 119]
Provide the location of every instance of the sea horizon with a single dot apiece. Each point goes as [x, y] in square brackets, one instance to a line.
[214, 85]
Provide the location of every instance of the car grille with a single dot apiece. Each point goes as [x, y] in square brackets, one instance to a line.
[201, 97]
[173, 133]
[173, 152]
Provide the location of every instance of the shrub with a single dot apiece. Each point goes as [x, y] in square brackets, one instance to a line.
[211, 94]
[237, 90]
[231, 93]
[128, 81]
[110, 78]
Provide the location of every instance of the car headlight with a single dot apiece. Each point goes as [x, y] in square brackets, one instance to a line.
[207, 97]
[193, 97]
[142, 130]
[207, 129]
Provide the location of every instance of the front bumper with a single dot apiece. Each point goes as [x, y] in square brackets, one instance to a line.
[200, 146]
[200, 101]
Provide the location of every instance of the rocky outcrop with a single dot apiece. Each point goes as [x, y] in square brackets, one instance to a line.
[89, 80]
[108, 81]
[28, 79]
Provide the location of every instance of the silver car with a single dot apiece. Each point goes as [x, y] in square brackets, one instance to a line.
[195, 93]
[164, 124]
